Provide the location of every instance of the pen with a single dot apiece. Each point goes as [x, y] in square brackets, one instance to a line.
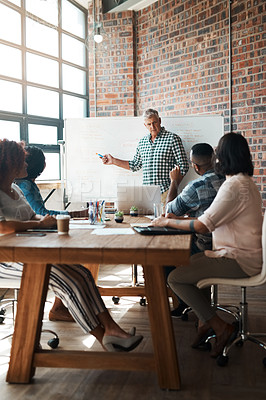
[98, 154]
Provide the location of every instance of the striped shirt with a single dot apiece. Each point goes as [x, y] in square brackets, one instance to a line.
[158, 158]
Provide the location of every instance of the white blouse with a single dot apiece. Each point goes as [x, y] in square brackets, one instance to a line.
[15, 209]
[235, 218]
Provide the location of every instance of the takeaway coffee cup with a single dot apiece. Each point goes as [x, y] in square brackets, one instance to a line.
[62, 224]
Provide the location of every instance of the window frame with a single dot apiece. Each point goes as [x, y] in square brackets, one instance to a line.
[24, 118]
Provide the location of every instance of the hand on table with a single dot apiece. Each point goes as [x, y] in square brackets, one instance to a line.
[160, 221]
[48, 221]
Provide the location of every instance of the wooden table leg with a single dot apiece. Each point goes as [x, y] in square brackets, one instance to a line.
[94, 269]
[161, 327]
[32, 296]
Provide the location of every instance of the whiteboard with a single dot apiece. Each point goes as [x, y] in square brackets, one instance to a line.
[86, 176]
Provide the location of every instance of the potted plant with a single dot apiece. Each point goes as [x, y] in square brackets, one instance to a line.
[119, 216]
[134, 212]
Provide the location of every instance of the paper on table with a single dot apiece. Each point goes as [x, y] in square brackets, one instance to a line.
[114, 231]
[150, 216]
[144, 225]
[81, 225]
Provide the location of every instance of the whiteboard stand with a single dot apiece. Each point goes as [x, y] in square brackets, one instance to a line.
[61, 143]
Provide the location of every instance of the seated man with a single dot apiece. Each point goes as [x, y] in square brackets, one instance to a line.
[194, 199]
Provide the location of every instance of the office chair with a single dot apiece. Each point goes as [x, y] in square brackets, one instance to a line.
[231, 309]
[257, 280]
[7, 284]
[134, 283]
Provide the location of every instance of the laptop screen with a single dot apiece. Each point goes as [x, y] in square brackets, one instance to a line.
[142, 197]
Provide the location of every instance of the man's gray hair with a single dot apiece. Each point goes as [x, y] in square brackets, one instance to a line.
[150, 113]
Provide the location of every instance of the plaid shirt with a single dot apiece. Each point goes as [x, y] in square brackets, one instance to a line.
[197, 196]
[158, 158]
[194, 199]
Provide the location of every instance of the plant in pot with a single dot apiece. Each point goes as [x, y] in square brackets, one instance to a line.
[119, 216]
[134, 212]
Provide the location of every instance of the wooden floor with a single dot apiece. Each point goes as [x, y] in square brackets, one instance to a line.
[243, 378]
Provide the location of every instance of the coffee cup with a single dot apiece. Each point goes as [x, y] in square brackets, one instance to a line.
[62, 224]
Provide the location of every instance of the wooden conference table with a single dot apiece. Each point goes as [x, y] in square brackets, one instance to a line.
[80, 246]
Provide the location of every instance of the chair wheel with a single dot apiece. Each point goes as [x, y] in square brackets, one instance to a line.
[222, 360]
[142, 302]
[264, 362]
[53, 343]
[115, 299]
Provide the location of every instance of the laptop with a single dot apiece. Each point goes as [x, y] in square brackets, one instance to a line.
[142, 197]
[159, 230]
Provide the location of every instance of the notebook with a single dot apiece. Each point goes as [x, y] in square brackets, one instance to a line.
[159, 230]
[142, 197]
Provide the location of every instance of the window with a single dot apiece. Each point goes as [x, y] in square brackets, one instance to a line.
[10, 61]
[10, 130]
[42, 102]
[11, 96]
[10, 24]
[43, 73]
[35, 74]
[42, 134]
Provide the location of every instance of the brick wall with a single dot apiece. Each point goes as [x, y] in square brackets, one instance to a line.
[179, 58]
[114, 60]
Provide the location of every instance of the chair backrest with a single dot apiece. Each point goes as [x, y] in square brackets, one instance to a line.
[261, 278]
[263, 238]
[255, 280]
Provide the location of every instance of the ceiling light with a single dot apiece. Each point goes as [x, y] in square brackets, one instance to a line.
[97, 36]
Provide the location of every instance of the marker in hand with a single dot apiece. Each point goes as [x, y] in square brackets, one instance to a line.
[98, 154]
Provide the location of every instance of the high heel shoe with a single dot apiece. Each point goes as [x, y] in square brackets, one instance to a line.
[132, 331]
[202, 334]
[227, 337]
[114, 343]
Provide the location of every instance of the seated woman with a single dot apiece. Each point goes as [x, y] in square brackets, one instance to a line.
[235, 218]
[73, 284]
[35, 160]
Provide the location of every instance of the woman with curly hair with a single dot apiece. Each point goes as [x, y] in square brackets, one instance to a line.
[73, 284]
